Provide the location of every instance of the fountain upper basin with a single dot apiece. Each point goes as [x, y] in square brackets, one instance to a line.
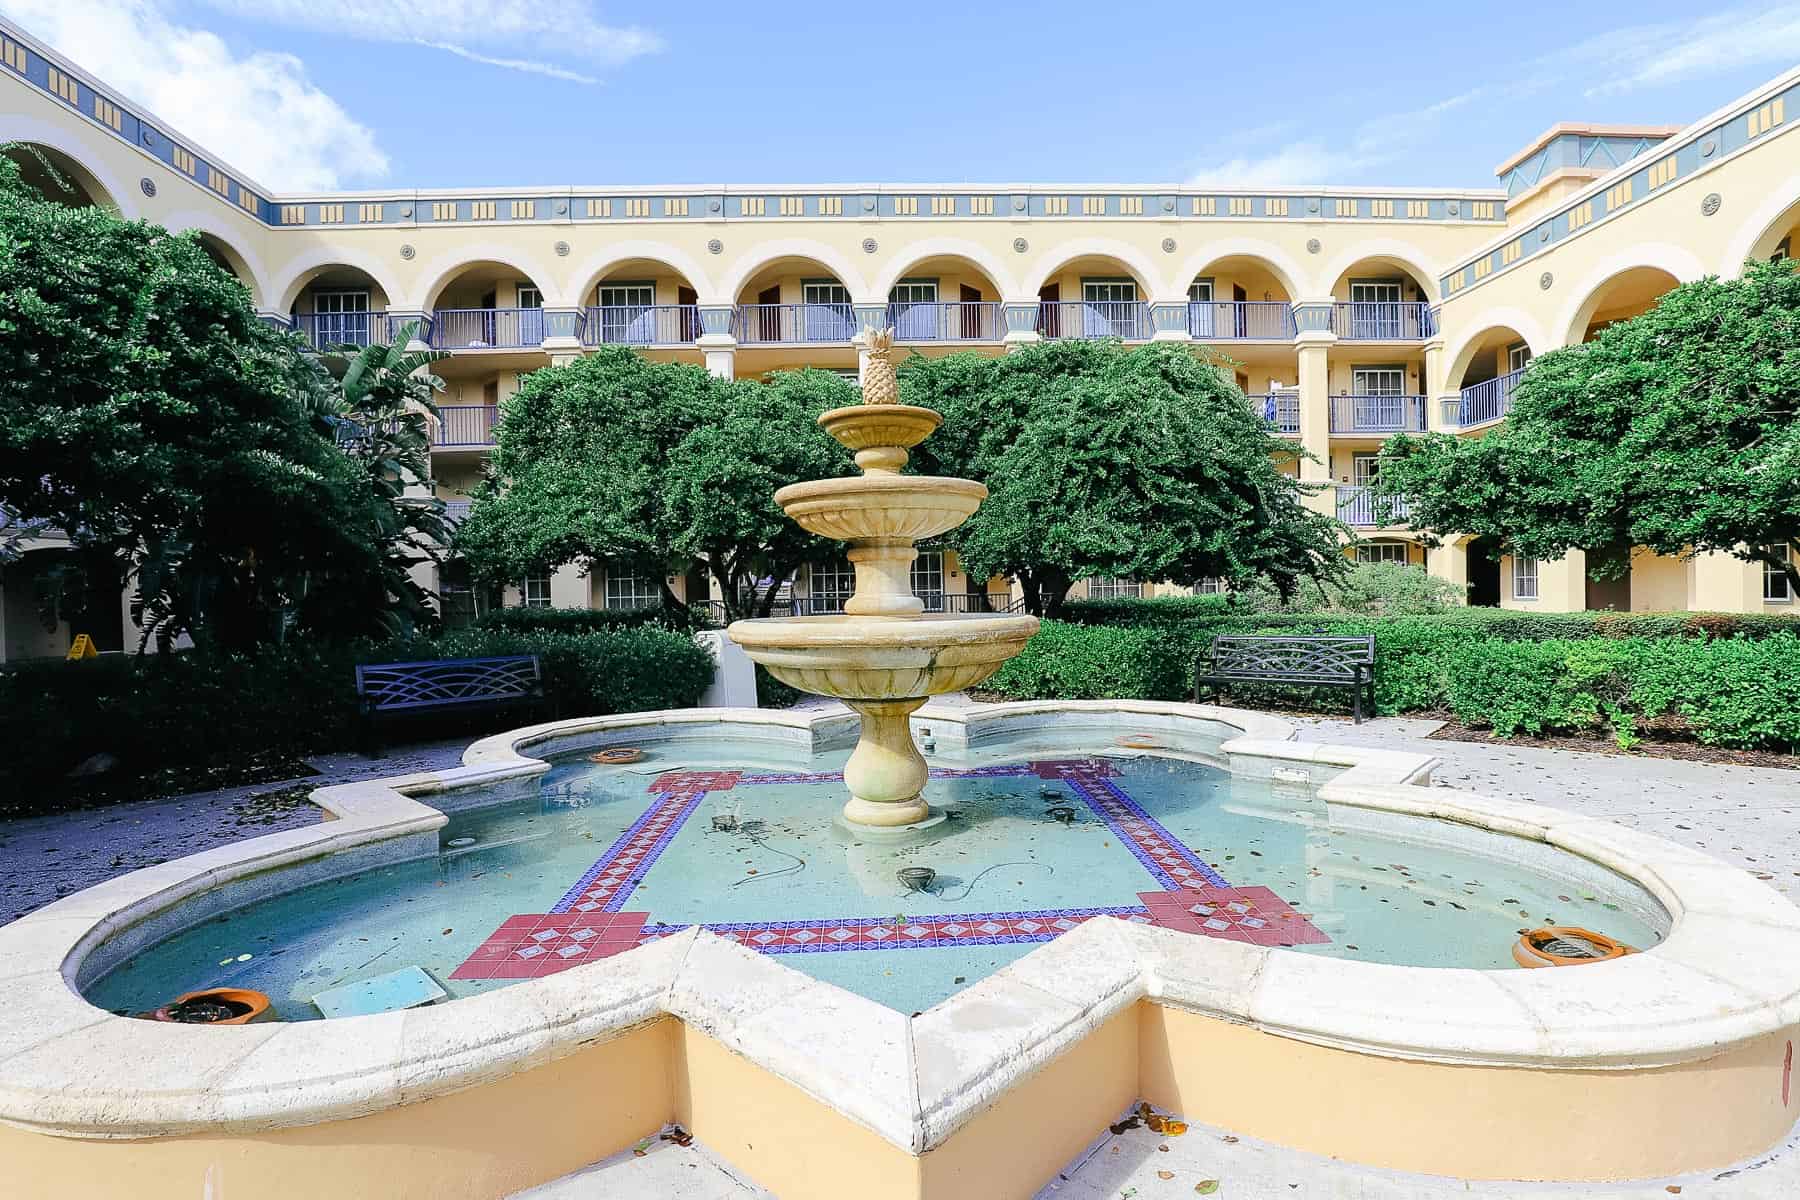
[881, 506]
[884, 658]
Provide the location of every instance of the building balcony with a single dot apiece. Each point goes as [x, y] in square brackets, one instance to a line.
[1356, 507]
[325, 330]
[1280, 409]
[641, 325]
[465, 426]
[1378, 414]
[1383, 321]
[1240, 320]
[456, 512]
[1482, 402]
[1128, 319]
[948, 321]
[793, 324]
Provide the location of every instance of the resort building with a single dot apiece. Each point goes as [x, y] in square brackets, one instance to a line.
[1349, 314]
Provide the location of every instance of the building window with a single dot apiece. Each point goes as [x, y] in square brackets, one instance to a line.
[534, 591]
[928, 579]
[1210, 587]
[1517, 356]
[1382, 552]
[832, 584]
[341, 318]
[1105, 587]
[1524, 577]
[530, 297]
[1777, 588]
[624, 590]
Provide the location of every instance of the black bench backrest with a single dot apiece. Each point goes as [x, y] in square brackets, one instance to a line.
[387, 687]
[1301, 659]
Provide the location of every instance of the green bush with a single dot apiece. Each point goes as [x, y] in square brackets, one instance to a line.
[159, 711]
[1738, 691]
[582, 620]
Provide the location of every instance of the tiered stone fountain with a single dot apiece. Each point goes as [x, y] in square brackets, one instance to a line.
[883, 657]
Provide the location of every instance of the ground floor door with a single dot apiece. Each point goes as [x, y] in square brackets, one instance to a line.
[1609, 580]
[1484, 573]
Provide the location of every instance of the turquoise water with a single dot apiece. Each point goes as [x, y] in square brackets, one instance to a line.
[1053, 829]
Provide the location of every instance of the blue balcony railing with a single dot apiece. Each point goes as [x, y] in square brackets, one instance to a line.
[487, 328]
[1128, 319]
[345, 329]
[1383, 321]
[1280, 409]
[641, 325]
[947, 321]
[465, 425]
[1356, 506]
[778, 324]
[1377, 414]
[1240, 320]
[1487, 401]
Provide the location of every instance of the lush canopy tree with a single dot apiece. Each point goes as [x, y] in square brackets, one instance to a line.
[147, 411]
[1099, 460]
[1677, 430]
[651, 466]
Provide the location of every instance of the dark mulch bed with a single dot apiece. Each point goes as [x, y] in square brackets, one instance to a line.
[1651, 747]
[121, 785]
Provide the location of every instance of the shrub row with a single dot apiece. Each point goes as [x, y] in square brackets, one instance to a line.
[1217, 615]
[1734, 691]
[157, 711]
[582, 620]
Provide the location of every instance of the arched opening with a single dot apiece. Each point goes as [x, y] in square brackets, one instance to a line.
[1382, 298]
[794, 300]
[640, 302]
[945, 298]
[1094, 296]
[488, 306]
[231, 262]
[1240, 297]
[1486, 372]
[58, 178]
[1628, 294]
[1781, 239]
[339, 305]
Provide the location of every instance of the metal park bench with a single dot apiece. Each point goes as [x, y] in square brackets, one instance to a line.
[390, 691]
[1294, 661]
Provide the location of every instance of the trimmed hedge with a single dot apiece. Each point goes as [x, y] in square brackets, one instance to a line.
[581, 620]
[157, 711]
[1737, 691]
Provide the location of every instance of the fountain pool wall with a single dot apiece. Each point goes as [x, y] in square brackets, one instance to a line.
[1676, 1059]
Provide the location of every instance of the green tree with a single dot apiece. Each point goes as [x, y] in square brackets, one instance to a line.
[1677, 430]
[147, 411]
[1143, 463]
[652, 466]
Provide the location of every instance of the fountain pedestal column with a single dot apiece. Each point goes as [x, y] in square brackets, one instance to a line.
[886, 773]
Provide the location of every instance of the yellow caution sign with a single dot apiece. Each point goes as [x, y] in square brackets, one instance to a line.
[83, 647]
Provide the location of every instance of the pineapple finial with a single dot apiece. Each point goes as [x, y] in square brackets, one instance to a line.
[880, 385]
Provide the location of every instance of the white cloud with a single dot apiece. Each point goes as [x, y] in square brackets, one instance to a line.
[1646, 56]
[259, 111]
[518, 35]
[1301, 162]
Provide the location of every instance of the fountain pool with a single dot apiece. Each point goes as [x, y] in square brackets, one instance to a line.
[1043, 832]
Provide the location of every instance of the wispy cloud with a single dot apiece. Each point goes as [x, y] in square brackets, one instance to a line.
[222, 99]
[566, 40]
[1628, 59]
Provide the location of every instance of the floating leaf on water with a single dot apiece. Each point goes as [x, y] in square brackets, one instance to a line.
[1229, 1139]
[1206, 1187]
[1165, 1174]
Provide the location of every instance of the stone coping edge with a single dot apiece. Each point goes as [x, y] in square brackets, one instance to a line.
[1728, 972]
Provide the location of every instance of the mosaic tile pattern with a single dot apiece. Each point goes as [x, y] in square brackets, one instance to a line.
[586, 923]
[536, 944]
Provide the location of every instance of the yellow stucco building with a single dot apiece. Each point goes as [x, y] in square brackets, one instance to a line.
[1350, 313]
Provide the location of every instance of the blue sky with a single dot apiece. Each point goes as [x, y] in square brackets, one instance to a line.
[306, 94]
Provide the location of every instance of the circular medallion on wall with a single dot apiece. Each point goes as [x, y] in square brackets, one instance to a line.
[1708, 147]
[1018, 204]
[715, 246]
[1453, 208]
[870, 245]
[1168, 205]
[713, 206]
[1544, 234]
[147, 137]
[148, 185]
[1313, 245]
[406, 213]
[407, 252]
[1711, 204]
[1020, 245]
[869, 204]
[1168, 245]
[1545, 280]
[562, 249]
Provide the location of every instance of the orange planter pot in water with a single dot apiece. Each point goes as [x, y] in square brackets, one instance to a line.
[1566, 946]
[195, 1008]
